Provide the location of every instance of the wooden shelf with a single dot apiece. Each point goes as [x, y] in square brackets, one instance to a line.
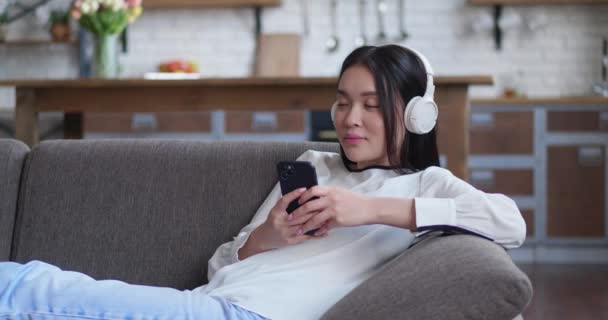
[534, 2]
[26, 42]
[210, 3]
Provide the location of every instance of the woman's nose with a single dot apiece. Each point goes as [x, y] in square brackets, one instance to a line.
[353, 117]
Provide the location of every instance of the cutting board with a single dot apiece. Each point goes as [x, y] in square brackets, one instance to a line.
[278, 55]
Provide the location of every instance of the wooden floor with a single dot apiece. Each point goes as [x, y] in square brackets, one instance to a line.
[577, 292]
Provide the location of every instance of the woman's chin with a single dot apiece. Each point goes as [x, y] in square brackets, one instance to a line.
[353, 156]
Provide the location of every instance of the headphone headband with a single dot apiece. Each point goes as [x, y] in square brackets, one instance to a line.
[430, 86]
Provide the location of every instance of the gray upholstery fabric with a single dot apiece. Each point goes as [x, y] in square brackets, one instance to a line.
[143, 211]
[12, 156]
[454, 277]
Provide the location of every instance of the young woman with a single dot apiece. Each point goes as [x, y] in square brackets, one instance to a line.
[374, 199]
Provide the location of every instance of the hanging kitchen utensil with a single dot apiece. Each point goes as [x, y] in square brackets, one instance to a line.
[381, 9]
[403, 34]
[360, 40]
[333, 42]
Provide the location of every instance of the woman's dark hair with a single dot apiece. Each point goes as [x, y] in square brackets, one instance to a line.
[399, 75]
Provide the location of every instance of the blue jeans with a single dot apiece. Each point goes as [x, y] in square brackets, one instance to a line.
[38, 290]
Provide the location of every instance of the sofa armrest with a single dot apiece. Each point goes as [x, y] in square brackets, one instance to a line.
[12, 156]
[451, 277]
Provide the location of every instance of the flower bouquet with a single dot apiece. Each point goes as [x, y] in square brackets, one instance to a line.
[105, 19]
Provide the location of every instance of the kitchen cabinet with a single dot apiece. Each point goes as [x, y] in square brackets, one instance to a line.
[147, 122]
[576, 187]
[556, 173]
[501, 132]
[515, 182]
[528, 215]
[581, 121]
[265, 122]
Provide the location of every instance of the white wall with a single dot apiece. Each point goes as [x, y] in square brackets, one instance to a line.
[560, 58]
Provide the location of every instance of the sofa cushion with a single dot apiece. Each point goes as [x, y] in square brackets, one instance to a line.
[12, 156]
[455, 277]
[143, 211]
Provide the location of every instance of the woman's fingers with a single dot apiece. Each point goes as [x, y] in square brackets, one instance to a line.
[308, 207]
[316, 191]
[294, 221]
[317, 220]
[288, 198]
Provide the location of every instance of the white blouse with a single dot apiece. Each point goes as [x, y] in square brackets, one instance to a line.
[303, 281]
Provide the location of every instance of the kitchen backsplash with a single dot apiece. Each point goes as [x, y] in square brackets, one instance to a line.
[547, 50]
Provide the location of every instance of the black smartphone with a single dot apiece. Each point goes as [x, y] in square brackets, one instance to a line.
[294, 175]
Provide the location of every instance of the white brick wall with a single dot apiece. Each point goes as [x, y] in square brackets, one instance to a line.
[561, 58]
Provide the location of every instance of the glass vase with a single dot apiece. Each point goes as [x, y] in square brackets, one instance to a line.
[105, 56]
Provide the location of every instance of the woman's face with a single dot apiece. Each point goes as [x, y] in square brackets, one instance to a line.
[358, 118]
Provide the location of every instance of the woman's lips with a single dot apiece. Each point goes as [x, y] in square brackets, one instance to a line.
[353, 140]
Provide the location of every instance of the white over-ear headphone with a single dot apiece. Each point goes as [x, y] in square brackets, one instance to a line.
[421, 113]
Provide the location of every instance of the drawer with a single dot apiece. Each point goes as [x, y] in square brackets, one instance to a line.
[575, 191]
[264, 122]
[580, 121]
[528, 216]
[510, 182]
[501, 133]
[127, 122]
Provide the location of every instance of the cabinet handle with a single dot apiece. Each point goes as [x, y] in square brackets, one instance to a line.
[590, 156]
[604, 120]
[144, 121]
[483, 179]
[264, 121]
[482, 120]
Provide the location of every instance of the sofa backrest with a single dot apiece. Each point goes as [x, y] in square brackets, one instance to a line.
[146, 212]
[12, 156]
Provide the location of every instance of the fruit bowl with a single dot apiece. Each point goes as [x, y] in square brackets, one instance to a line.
[178, 66]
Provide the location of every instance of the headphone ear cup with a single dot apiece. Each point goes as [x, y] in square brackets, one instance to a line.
[420, 115]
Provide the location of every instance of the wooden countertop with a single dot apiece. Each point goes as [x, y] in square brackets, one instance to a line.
[220, 82]
[574, 100]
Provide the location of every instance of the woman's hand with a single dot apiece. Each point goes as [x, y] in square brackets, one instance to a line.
[335, 207]
[276, 231]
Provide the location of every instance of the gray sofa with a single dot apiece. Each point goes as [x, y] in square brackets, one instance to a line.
[153, 212]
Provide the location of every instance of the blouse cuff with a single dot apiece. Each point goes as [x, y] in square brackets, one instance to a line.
[239, 242]
[434, 212]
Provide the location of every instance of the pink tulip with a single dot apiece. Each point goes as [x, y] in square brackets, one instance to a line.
[75, 13]
[133, 3]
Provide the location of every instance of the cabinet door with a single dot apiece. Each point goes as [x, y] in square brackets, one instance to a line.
[575, 191]
[581, 121]
[129, 122]
[501, 132]
[264, 122]
[511, 182]
[528, 215]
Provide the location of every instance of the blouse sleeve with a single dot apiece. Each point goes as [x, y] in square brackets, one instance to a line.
[447, 202]
[227, 253]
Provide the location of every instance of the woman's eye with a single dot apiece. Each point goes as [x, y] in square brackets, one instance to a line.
[342, 104]
[372, 107]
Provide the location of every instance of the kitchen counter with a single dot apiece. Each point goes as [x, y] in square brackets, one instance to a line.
[300, 93]
[229, 82]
